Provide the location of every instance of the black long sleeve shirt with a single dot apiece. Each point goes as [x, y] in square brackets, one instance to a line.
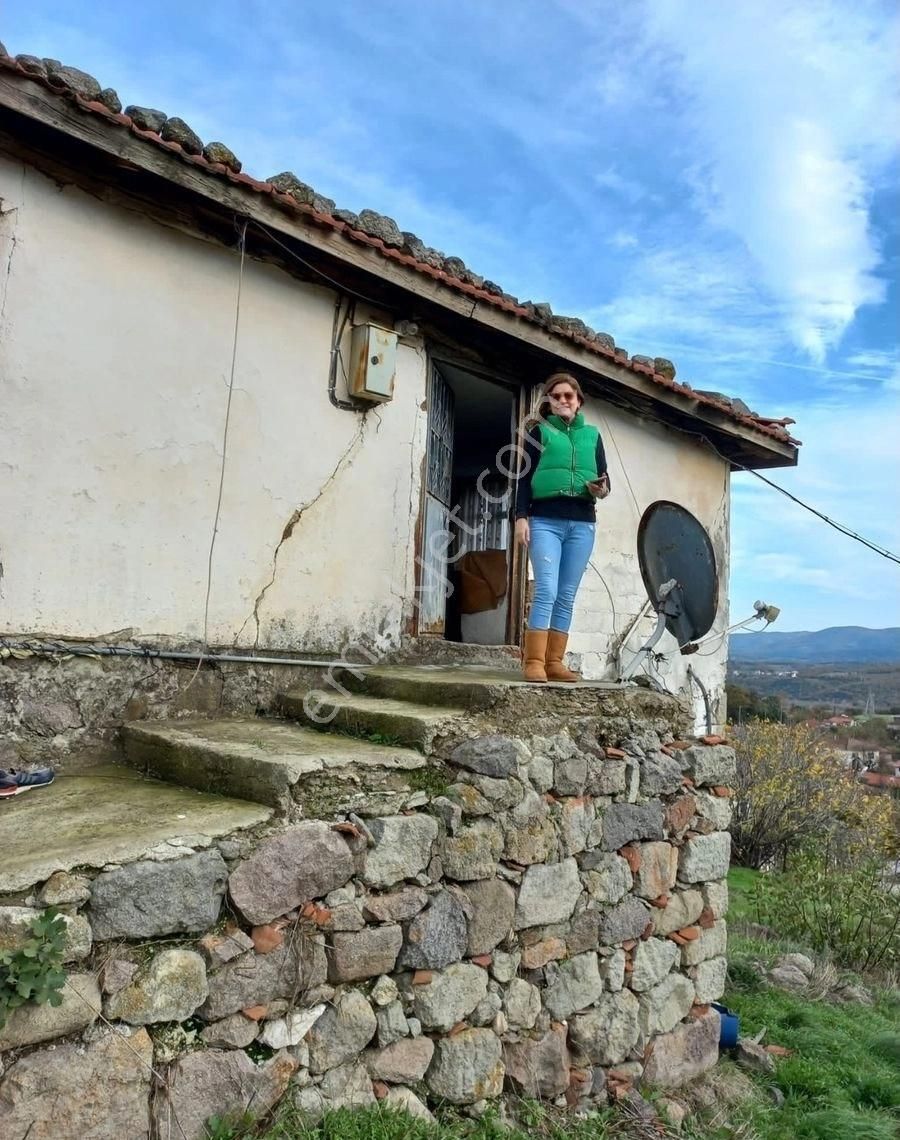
[560, 506]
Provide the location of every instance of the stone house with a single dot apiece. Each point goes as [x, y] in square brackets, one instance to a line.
[237, 415]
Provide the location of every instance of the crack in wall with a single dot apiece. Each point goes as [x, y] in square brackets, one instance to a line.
[405, 593]
[13, 242]
[289, 528]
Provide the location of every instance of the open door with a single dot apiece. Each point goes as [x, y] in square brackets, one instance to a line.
[433, 580]
[472, 580]
[526, 406]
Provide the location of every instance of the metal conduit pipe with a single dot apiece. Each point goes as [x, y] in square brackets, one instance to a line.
[81, 650]
[706, 701]
[337, 333]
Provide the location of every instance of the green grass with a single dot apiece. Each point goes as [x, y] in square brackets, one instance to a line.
[379, 1123]
[842, 1081]
[434, 779]
[741, 885]
[838, 1066]
[389, 740]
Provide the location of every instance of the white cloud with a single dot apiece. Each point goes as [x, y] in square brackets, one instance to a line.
[793, 568]
[875, 358]
[703, 295]
[880, 365]
[621, 239]
[631, 189]
[849, 469]
[791, 110]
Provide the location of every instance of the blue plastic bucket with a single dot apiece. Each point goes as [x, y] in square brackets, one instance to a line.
[730, 1026]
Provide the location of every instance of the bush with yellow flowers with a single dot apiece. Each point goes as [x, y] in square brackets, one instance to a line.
[793, 788]
[830, 843]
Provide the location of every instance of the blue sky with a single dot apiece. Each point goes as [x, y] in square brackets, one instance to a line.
[715, 183]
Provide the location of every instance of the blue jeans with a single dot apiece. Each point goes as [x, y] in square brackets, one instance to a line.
[559, 550]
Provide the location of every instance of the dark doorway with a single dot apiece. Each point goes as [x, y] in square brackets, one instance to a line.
[469, 500]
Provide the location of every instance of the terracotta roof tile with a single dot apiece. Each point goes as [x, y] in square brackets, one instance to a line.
[527, 311]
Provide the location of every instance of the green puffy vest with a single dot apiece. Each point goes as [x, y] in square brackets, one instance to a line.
[568, 459]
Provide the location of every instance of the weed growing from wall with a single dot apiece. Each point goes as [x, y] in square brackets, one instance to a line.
[33, 972]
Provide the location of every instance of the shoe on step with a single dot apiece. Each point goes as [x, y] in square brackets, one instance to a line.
[13, 783]
[556, 652]
[534, 651]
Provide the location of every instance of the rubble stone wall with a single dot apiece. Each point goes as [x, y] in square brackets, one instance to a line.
[548, 921]
[59, 710]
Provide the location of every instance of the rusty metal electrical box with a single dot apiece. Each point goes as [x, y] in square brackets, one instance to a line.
[373, 362]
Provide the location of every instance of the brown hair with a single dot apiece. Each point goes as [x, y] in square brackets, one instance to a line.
[543, 408]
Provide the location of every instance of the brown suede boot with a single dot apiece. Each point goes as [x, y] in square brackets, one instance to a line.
[533, 653]
[556, 651]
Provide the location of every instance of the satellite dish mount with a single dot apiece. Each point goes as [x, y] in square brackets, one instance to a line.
[678, 566]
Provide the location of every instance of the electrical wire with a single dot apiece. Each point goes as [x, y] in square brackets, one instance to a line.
[840, 527]
[336, 358]
[694, 679]
[218, 511]
[37, 647]
[653, 663]
[612, 603]
[716, 638]
[612, 440]
[315, 269]
[883, 551]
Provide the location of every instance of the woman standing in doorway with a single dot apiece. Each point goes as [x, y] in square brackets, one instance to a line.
[563, 473]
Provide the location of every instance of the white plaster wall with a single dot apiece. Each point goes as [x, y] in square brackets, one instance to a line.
[115, 351]
[659, 463]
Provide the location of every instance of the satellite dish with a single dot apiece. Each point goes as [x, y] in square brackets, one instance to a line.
[678, 566]
[679, 570]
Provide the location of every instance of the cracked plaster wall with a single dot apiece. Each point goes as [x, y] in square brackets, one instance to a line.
[115, 355]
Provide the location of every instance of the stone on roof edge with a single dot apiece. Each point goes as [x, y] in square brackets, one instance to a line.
[383, 229]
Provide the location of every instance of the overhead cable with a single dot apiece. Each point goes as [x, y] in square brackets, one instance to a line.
[845, 530]
[315, 269]
[883, 551]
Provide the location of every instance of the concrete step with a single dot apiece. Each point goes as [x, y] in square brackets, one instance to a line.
[400, 722]
[108, 815]
[472, 687]
[261, 760]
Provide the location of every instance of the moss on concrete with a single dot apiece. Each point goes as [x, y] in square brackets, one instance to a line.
[111, 815]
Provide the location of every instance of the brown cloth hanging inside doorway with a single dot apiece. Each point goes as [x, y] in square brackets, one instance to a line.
[482, 580]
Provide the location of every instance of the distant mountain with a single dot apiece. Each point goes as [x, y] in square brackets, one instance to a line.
[843, 643]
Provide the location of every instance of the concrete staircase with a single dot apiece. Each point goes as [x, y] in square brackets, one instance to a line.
[186, 783]
[377, 730]
[334, 746]
[263, 760]
[374, 743]
[403, 722]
